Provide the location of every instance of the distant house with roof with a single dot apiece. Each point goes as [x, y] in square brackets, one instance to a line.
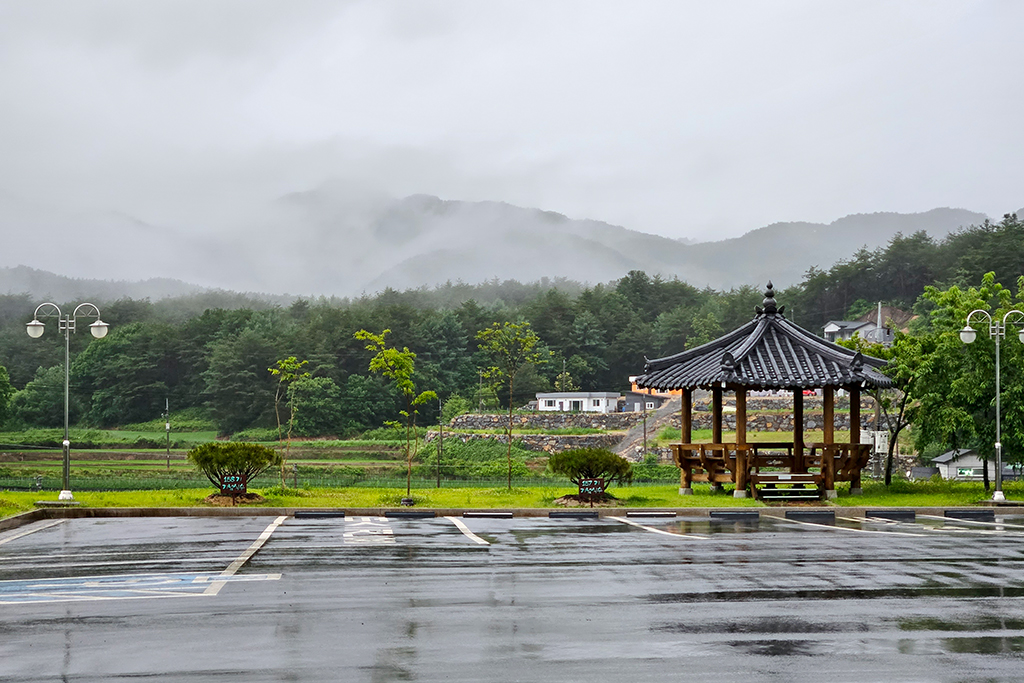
[579, 402]
[966, 465]
[866, 326]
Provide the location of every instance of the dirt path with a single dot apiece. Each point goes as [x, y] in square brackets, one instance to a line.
[632, 445]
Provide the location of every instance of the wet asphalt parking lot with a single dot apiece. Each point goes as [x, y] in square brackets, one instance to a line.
[531, 599]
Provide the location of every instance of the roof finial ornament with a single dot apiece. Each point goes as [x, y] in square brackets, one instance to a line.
[769, 300]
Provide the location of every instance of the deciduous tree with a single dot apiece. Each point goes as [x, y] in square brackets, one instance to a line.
[511, 348]
[398, 366]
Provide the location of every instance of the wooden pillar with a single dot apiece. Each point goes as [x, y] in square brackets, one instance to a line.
[828, 454]
[716, 415]
[741, 416]
[798, 430]
[855, 487]
[742, 465]
[716, 426]
[686, 417]
[686, 437]
[828, 408]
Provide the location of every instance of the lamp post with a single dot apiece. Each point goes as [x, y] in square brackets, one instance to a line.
[66, 324]
[996, 330]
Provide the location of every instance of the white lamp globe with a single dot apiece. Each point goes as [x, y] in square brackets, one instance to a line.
[35, 329]
[98, 329]
[968, 335]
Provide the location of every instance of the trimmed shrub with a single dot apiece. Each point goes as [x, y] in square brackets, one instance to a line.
[591, 463]
[231, 466]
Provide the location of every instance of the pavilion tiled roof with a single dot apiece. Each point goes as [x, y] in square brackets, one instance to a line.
[769, 352]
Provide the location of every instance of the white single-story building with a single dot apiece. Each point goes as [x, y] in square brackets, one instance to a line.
[966, 465]
[578, 401]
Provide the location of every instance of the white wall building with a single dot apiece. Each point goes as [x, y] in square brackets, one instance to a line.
[966, 465]
[578, 402]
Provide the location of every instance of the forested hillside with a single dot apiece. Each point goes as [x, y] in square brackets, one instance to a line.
[200, 352]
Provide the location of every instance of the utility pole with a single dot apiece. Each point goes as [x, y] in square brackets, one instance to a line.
[167, 428]
[440, 438]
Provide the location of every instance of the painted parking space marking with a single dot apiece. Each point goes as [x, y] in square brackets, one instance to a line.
[653, 530]
[228, 572]
[14, 537]
[972, 521]
[122, 587]
[368, 531]
[846, 528]
[465, 530]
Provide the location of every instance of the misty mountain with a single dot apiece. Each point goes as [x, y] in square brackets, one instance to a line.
[343, 242]
[423, 240]
[44, 285]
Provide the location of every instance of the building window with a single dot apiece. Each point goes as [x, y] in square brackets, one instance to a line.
[650, 405]
[596, 403]
[549, 403]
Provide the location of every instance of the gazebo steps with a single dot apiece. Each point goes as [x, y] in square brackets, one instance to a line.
[790, 494]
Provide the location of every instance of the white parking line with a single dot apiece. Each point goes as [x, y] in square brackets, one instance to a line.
[658, 531]
[215, 587]
[465, 529]
[13, 537]
[846, 528]
[971, 521]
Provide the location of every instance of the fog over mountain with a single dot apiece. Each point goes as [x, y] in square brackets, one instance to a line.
[333, 242]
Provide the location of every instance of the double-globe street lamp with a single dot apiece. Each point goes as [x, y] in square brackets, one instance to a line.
[66, 324]
[996, 330]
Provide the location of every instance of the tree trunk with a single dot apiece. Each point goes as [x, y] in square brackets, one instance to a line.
[888, 460]
[509, 434]
[408, 450]
[277, 414]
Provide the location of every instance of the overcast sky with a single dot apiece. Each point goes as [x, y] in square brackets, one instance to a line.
[686, 119]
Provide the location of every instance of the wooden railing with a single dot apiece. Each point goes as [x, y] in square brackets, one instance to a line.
[719, 463]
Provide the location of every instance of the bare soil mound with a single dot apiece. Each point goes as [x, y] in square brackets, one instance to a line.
[576, 501]
[227, 501]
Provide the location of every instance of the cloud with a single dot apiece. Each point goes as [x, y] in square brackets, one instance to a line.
[687, 119]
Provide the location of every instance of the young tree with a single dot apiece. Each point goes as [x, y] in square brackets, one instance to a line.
[899, 406]
[287, 371]
[398, 366]
[511, 348]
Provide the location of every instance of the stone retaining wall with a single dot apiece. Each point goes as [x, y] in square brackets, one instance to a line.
[609, 421]
[777, 422]
[545, 443]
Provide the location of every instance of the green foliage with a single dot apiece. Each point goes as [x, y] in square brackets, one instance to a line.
[125, 376]
[591, 463]
[6, 392]
[511, 348]
[195, 419]
[317, 405]
[455, 406]
[218, 460]
[391, 434]
[256, 435]
[238, 389]
[398, 366]
[41, 402]
[957, 381]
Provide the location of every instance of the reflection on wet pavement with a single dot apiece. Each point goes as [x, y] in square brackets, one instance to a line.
[379, 599]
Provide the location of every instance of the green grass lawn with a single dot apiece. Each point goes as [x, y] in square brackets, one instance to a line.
[900, 494]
